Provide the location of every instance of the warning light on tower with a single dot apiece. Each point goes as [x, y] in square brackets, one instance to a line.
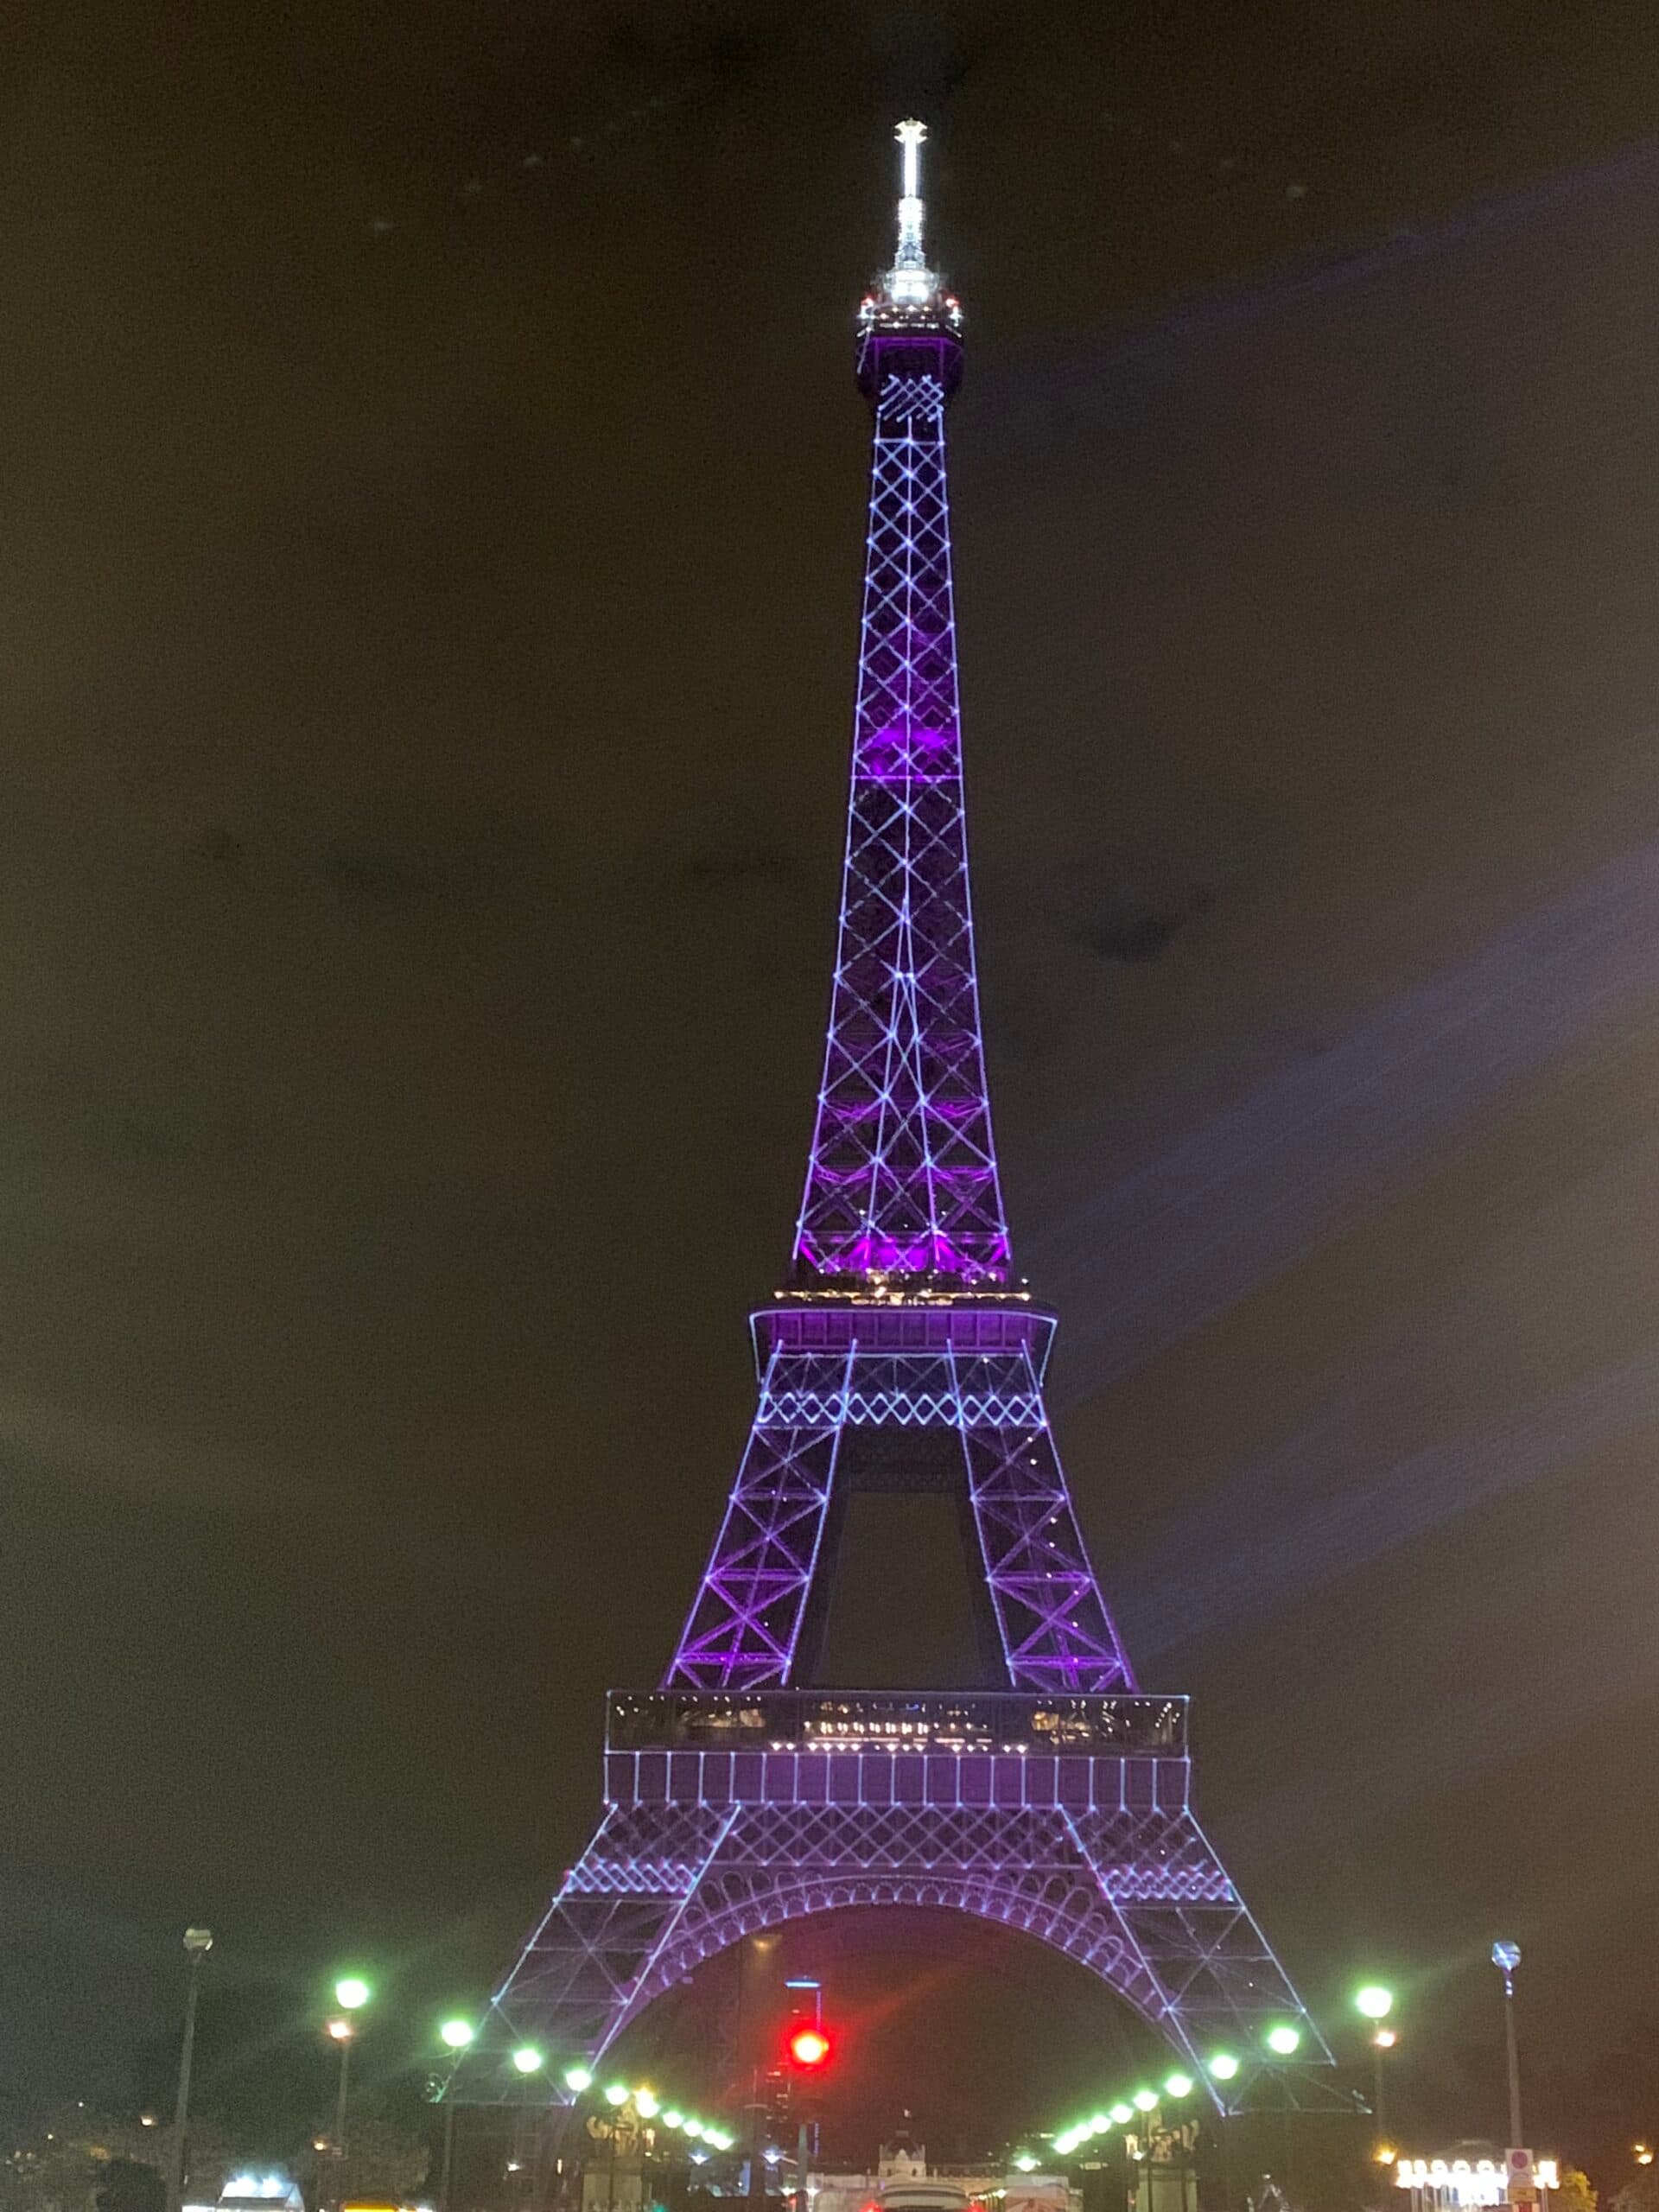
[809, 2048]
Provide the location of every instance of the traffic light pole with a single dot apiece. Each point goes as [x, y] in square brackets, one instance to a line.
[806, 2060]
[757, 2144]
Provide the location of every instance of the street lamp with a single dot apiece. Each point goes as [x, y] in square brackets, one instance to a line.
[455, 2034]
[340, 2030]
[198, 1942]
[1374, 2002]
[1506, 1957]
[352, 1993]
[1284, 2041]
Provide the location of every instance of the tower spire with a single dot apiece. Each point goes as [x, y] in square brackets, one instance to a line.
[910, 282]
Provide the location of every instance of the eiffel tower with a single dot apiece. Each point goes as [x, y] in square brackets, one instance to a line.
[903, 1355]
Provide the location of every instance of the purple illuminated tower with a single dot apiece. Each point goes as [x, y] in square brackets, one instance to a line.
[903, 1355]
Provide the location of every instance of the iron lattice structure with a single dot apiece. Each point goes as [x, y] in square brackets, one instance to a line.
[902, 1174]
[904, 1354]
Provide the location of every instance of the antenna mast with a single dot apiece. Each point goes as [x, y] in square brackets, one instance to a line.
[910, 283]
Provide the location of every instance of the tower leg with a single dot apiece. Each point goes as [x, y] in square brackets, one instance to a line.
[746, 1620]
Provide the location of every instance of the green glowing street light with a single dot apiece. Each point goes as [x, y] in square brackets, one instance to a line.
[1122, 2114]
[1179, 2085]
[576, 2079]
[616, 2092]
[646, 2104]
[1146, 2100]
[1025, 2164]
[455, 2035]
[672, 2119]
[1284, 2041]
[1224, 2066]
[528, 2059]
[1376, 2003]
[352, 1993]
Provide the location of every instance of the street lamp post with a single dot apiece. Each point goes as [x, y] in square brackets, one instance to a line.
[340, 2030]
[1284, 2041]
[198, 1942]
[1383, 2040]
[1506, 1957]
[1374, 2004]
[1222, 2067]
[455, 2035]
[352, 1993]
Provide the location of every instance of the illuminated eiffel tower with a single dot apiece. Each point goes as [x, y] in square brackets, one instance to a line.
[904, 1355]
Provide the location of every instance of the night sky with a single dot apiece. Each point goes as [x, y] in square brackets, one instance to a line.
[431, 524]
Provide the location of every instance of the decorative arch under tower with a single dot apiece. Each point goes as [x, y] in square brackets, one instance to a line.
[904, 1354]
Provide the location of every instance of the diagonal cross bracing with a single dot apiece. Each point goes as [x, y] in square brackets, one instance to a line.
[970, 1372]
[1098, 1858]
[901, 1178]
[746, 1619]
[735, 1800]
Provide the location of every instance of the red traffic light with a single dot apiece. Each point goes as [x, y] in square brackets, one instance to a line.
[808, 2047]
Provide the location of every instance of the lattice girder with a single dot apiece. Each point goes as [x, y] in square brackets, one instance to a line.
[1130, 1889]
[746, 1621]
[901, 1178]
[734, 1801]
[974, 1373]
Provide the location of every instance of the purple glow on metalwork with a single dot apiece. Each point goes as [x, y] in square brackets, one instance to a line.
[1107, 1867]
[901, 1185]
[901, 1179]
[734, 1818]
[885, 1368]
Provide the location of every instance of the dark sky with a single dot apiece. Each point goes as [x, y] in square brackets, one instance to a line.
[431, 522]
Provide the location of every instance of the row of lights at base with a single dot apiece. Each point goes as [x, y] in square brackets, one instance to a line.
[1282, 2039]
[1223, 2066]
[458, 2034]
